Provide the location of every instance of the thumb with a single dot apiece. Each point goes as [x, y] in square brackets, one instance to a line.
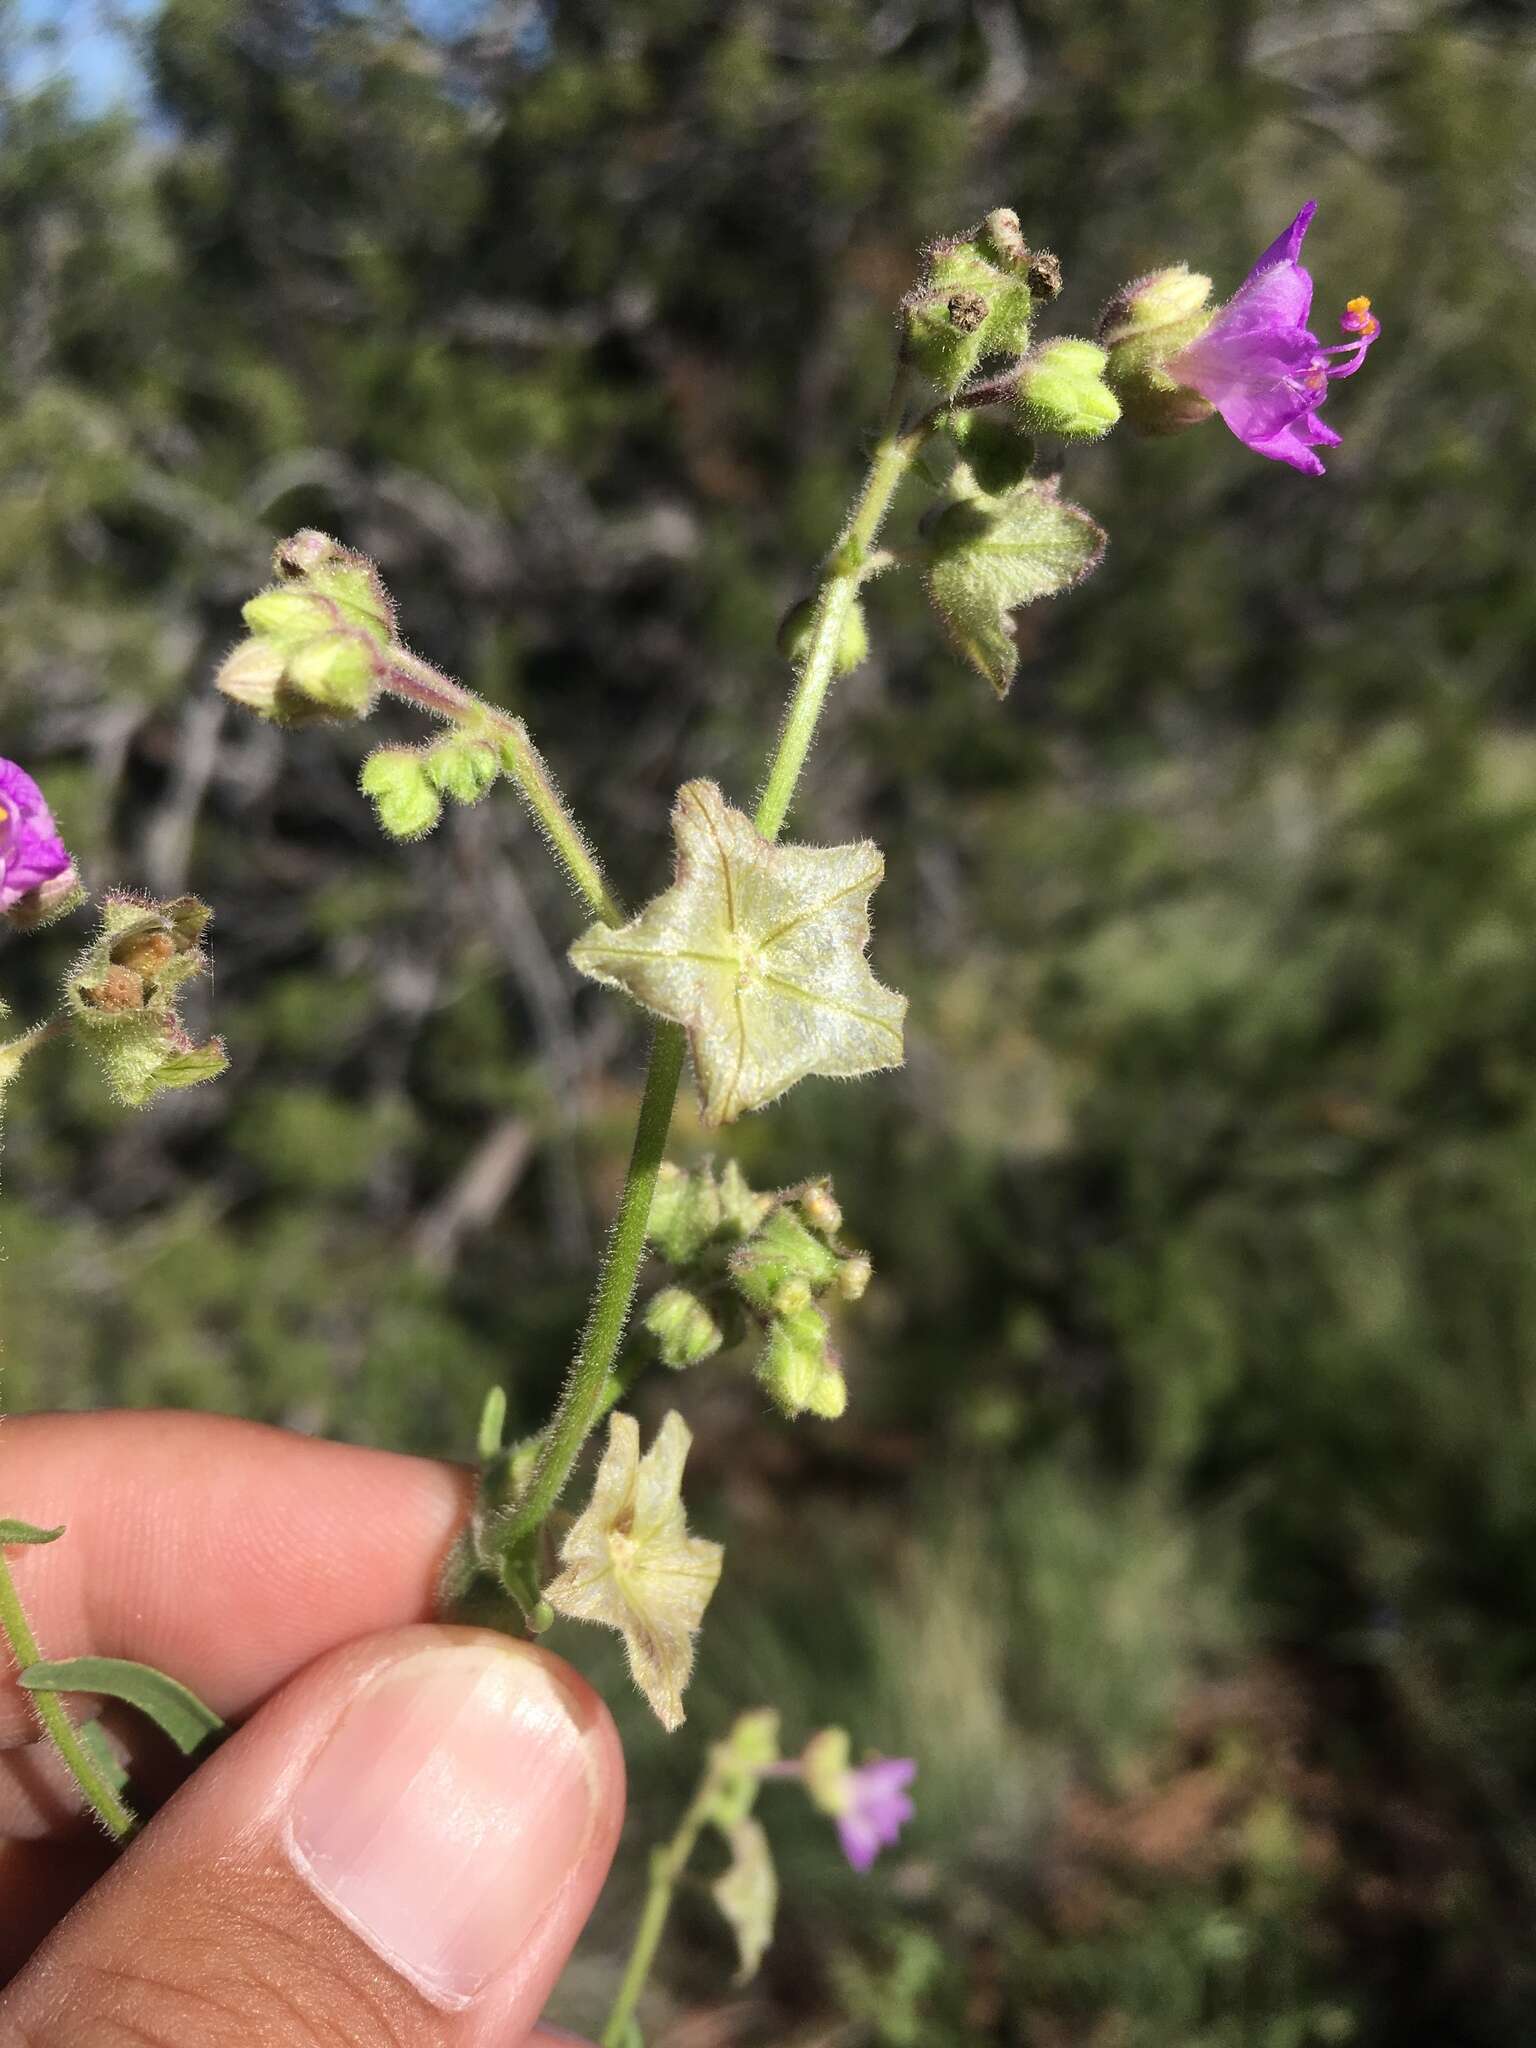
[399, 1848]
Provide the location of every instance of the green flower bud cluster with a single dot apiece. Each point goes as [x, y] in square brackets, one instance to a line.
[754, 1261]
[319, 637]
[121, 993]
[407, 784]
[976, 299]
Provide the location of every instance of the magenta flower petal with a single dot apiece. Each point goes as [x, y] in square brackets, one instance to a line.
[877, 1808]
[1286, 247]
[31, 851]
[1295, 442]
[1260, 365]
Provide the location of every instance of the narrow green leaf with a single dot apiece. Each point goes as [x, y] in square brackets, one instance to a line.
[168, 1703]
[26, 1532]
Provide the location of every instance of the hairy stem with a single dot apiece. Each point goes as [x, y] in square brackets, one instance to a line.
[667, 1865]
[418, 683]
[582, 1401]
[60, 1730]
[845, 568]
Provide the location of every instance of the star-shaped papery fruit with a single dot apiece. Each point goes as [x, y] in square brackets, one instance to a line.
[757, 950]
[630, 1562]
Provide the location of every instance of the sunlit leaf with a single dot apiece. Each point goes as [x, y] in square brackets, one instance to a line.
[757, 950]
[993, 556]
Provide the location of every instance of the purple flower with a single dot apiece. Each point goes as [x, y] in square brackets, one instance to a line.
[1260, 365]
[31, 852]
[875, 1809]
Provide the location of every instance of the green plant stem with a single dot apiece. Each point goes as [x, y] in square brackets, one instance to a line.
[667, 1865]
[60, 1730]
[417, 682]
[582, 1397]
[582, 1400]
[845, 567]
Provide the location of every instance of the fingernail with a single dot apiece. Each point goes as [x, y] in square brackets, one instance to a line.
[445, 1810]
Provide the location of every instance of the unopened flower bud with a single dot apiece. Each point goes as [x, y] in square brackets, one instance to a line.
[1165, 303]
[340, 574]
[463, 767]
[252, 676]
[852, 641]
[828, 1397]
[1061, 390]
[396, 780]
[318, 636]
[742, 1209]
[685, 1212]
[799, 1368]
[335, 671]
[791, 1297]
[782, 1252]
[685, 1331]
[326, 660]
[821, 1208]
[1143, 327]
[853, 1278]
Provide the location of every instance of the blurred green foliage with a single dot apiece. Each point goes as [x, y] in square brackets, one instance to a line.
[1185, 1516]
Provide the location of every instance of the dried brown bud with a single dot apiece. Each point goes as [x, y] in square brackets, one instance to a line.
[967, 310]
[1045, 274]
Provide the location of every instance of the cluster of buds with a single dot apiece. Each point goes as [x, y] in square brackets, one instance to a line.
[407, 784]
[319, 637]
[755, 1261]
[323, 644]
[976, 300]
[122, 994]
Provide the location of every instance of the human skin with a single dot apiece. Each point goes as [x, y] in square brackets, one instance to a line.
[404, 1836]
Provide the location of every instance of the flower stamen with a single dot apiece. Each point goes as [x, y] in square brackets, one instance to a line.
[1357, 318]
